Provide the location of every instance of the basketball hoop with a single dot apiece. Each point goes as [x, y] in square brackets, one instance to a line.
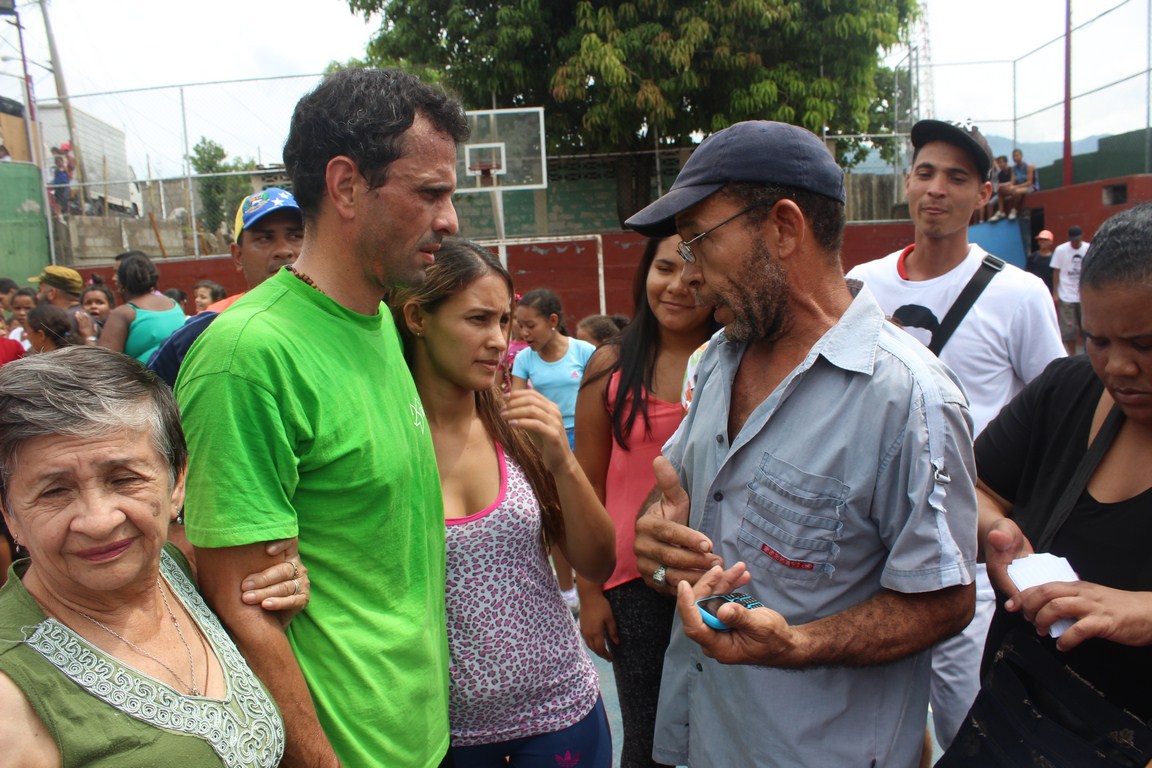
[486, 172]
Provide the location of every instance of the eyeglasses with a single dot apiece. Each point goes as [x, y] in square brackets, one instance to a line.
[684, 248]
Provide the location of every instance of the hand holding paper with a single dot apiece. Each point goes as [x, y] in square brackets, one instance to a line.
[1042, 568]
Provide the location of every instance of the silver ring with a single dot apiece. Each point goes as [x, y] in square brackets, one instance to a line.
[295, 569]
[296, 585]
[658, 576]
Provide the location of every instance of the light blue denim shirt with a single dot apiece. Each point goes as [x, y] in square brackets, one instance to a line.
[855, 474]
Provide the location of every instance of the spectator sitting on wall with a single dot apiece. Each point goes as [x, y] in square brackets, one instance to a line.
[60, 183]
[1012, 194]
[1001, 174]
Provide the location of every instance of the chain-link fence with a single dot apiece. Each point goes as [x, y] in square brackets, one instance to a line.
[190, 152]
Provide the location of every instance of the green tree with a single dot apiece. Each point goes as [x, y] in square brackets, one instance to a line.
[626, 77]
[221, 185]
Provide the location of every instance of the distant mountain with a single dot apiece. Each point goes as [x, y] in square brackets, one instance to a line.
[1041, 153]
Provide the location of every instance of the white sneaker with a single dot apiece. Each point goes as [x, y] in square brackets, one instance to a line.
[996, 218]
[1012, 215]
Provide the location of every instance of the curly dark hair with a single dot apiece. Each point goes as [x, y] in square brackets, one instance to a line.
[99, 286]
[1119, 253]
[54, 322]
[361, 114]
[136, 274]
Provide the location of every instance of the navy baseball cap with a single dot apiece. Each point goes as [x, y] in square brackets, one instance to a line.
[968, 139]
[753, 152]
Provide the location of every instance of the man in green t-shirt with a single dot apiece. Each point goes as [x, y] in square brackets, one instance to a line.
[302, 421]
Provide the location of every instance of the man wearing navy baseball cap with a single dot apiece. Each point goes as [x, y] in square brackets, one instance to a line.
[825, 465]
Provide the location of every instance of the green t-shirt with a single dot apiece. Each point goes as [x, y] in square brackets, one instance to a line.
[302, 419]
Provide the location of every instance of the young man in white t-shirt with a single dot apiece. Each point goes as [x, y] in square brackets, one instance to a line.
[1007, 337]
[1066, 261]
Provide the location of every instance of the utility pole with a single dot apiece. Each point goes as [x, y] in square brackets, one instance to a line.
[62, 95]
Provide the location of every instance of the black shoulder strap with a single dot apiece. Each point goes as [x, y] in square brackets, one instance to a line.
[1079, 480]
[988, 269]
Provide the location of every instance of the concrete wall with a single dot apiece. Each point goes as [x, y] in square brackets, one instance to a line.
[92, 240]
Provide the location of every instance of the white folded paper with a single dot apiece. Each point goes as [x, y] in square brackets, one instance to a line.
[1041, 568]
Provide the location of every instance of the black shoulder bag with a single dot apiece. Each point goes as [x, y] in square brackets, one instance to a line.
[976, 285]
[1032, 710]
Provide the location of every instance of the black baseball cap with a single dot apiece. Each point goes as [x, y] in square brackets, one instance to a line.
[968, 139]
[755, 152]
[1075, 232]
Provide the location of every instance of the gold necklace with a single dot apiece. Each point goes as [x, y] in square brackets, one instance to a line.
[193, 689]
[307, 280]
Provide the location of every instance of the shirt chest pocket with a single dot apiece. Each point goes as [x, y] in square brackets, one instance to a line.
[792, 520]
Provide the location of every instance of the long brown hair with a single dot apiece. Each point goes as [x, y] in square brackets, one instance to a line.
[459, 263]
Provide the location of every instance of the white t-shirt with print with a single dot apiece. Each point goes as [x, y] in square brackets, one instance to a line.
[1007, 338]
[1068, 260]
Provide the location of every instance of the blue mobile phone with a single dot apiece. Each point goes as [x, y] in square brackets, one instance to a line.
[708, 606]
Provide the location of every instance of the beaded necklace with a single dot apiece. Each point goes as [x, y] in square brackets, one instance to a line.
[307, 280]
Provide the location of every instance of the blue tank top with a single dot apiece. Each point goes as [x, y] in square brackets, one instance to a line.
[149, 330]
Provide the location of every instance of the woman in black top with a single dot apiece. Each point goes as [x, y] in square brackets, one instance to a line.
[1029, 453]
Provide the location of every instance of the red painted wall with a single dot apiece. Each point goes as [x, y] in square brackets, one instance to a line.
[569, 268]
[871, 240]
[183, 274]
[1083, 204]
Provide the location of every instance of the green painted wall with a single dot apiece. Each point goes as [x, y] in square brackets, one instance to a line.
[23, 233]
[1120, 155]
[581, 198]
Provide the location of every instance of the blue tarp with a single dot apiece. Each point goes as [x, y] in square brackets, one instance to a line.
[1004, 239]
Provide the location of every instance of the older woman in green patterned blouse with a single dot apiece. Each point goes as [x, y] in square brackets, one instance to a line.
[108, 656]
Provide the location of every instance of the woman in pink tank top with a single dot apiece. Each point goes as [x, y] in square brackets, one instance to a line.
[628, 407]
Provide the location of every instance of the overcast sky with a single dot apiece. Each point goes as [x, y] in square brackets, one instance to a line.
[137, 44]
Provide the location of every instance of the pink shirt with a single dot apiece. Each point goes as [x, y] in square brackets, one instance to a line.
[630, 477]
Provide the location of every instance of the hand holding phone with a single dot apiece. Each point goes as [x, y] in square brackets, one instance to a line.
[710, 606]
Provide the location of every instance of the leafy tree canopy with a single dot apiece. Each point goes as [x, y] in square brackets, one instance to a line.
[219, 192]
[608, 74]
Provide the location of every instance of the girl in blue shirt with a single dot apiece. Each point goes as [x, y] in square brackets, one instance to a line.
[554, 365]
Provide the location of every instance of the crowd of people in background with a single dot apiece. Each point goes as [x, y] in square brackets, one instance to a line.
[393, 504]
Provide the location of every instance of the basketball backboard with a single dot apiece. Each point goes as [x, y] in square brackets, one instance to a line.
[505, 151]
